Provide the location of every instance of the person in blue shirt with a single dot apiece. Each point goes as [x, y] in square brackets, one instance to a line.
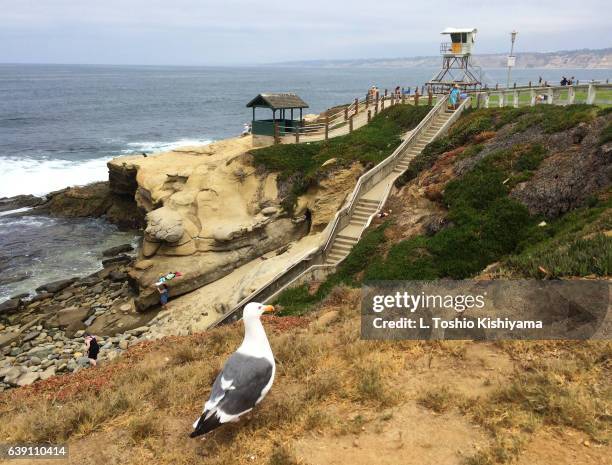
[454, 97]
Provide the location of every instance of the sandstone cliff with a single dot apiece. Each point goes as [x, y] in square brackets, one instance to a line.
[209, 211]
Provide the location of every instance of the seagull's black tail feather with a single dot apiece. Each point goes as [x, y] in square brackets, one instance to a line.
[205, 425]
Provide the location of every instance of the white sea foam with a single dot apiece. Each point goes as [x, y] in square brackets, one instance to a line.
[38, 177]
[17, 210]
[158, 146]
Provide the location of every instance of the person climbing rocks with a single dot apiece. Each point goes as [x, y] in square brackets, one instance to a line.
[92, 348]
[163, 294]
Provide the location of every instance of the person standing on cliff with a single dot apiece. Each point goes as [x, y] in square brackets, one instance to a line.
[163, 294]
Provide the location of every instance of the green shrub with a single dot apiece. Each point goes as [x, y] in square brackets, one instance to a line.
[300, 164]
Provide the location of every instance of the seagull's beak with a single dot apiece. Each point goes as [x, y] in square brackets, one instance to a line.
[268, 309]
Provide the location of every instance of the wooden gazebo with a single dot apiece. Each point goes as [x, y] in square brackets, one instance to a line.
[284, 121]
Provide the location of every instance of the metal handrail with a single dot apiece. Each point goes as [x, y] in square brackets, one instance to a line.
[318, 253]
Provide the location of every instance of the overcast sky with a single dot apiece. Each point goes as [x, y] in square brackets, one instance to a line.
[202, 32]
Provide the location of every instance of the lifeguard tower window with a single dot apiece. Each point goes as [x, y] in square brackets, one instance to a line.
[459, 37]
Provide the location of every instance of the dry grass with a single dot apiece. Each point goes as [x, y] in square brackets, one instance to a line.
[329, 382]
[439, 399]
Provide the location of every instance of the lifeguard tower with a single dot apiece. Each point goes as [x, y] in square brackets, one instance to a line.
[457, 66]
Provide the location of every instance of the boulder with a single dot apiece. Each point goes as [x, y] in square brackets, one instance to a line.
[269, 211]
[40, 296]
[19, 201]
[70, 319]
[143, 264]
[55, 286]
[111, 252]
[48, 373]
[149, 248]
[28, 378]
[12, 375]
[117, 276]
[28, 337]
[10, 306]
[165, 224]
[119, 259]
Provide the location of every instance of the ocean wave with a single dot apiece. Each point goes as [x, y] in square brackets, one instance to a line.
[158, 146]
[40, 176]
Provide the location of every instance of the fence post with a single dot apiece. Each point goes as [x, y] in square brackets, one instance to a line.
[550, 96]
[516, 99]
[351, 124]
[529, 83]
[486, 100]
[345, 113]
[591, 95]
[496, 86]
[393, 99]
[571, 95]
[532, 98]
[326, 127]
[382, 104]
[369, 115]
[356, 105]
[416, 98]
[515, 85]
[297, 135]
[501, 99]
[276, 133]
[403, 97]
[429, 97]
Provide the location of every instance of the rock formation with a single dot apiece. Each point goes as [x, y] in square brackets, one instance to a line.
[208, 212]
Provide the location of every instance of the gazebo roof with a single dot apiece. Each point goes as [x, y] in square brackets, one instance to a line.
[277, 101]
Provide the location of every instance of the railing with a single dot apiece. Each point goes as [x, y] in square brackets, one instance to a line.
[316, 257]
[345, 116]
[592, 93]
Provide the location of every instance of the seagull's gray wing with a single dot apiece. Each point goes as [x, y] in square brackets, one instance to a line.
[239, 385]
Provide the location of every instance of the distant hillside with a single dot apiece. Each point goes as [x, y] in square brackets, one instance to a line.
[586, 58]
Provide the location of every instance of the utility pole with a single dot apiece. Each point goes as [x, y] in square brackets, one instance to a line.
[511, 57]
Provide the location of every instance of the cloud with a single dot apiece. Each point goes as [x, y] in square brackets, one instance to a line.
[242, 31]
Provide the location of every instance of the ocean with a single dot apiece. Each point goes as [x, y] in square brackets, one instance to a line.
[60, 124]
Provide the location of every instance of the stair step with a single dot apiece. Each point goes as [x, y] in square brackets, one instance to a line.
[342, 240]
[341, 246]
[370, 201]
[365, 210]
[368, 206]
[361, 213]
[347, 238]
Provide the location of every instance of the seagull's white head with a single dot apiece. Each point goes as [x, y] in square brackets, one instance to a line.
[255, 310]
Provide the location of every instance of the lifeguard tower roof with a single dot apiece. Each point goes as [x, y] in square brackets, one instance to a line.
[454, 30]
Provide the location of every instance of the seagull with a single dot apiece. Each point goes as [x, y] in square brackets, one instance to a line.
[246, 378]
